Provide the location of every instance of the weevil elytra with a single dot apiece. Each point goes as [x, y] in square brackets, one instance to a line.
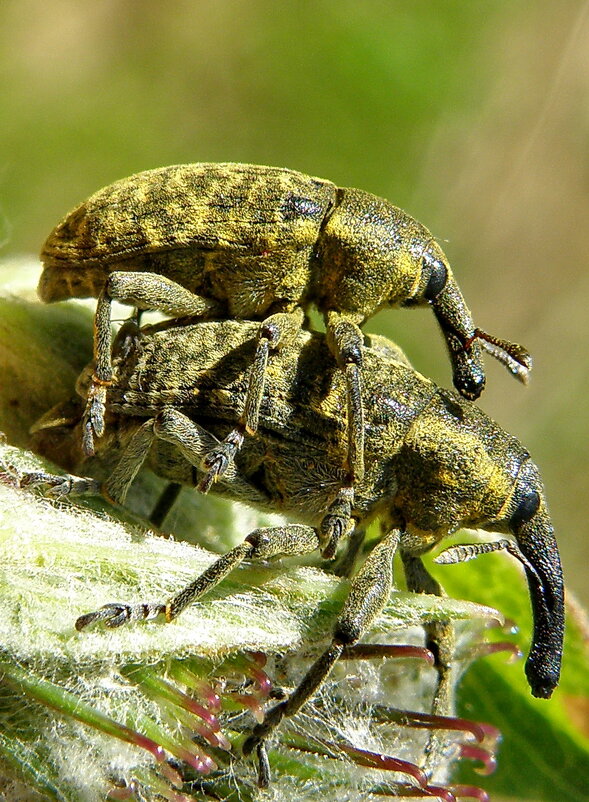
[261, 243]
[434, 463]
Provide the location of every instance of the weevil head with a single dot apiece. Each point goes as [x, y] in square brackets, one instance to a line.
[457, 468]
[526, 518]
[438, 288]
[373, 255]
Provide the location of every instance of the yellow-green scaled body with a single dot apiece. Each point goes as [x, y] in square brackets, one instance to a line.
[264, 243]
[434, 463]
[259, 239]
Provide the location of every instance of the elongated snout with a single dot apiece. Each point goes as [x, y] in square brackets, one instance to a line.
[537, 543]
[463, 348]
[466, 343]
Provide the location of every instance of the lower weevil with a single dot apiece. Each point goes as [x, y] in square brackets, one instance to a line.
[434, 463]
[261, 243]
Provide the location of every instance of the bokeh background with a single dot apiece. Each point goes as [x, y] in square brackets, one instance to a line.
[471, 115]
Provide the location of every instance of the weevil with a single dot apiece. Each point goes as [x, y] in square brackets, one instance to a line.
[434, 463]
[262, 243]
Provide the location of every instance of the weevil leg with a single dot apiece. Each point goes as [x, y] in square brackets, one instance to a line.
[127, 336]
[275, 332]
[346, 342]
[195, 443]
[262, 544]
[120, 478]
[144, 291]
[60, 485]
[368, 595]
[441, 641]
[134, 454]
[346, 563]
[165, 503]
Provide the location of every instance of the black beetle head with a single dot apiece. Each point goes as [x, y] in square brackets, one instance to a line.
[439, 288]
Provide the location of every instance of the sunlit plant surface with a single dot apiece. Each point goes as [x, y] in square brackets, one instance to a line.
[159, 712]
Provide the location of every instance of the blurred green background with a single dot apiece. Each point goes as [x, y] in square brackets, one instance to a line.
[471, 115]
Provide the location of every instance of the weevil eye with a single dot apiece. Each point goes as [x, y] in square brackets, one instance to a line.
[438, 275]
[527, 507]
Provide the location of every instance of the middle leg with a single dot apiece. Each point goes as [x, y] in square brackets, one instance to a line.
[275, 332]
[441, 641]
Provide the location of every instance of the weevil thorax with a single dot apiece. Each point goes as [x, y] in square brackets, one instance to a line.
[457, 469]
[370, 256]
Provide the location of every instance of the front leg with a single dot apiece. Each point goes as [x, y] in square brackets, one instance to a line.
[262, 544]
[144, 291]
[195, 444]
[346, 342]
[275, 332]
[61, 485]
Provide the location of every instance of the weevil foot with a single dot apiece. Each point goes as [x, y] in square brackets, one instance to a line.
[93, 420]
[257, 743]
[218, 460]
[116, 614]
[59, 486]
[9, 474]
[337, 522]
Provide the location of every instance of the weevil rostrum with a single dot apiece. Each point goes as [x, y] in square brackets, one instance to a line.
[261, 243]
[434, 463]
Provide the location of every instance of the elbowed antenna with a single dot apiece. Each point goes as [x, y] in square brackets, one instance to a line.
[459, 332]
[464, 343]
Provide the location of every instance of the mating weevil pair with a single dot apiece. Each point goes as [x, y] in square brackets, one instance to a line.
[263, 243]
[260, 243]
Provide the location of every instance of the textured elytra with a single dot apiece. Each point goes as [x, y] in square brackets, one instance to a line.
[242, 241]
[434, 462]
[256, 240]
[214, 206]
[201, 211]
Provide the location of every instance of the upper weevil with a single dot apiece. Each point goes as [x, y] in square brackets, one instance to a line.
[434, 463]
[262, 243]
